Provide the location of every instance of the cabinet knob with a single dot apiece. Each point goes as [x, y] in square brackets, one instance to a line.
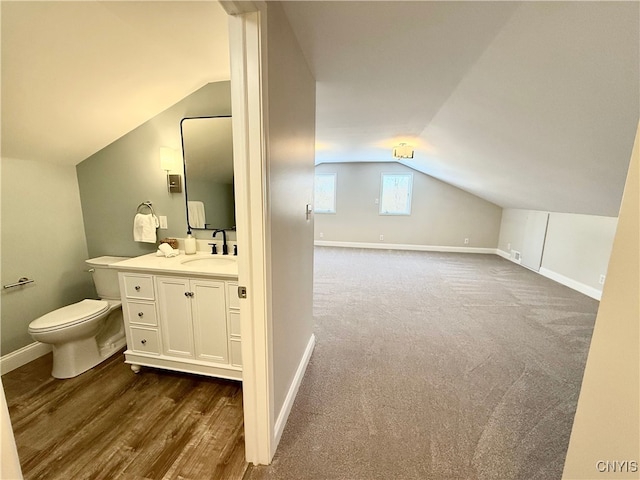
[140, 314]
[188, 294]
[143, 341]
[137, 287]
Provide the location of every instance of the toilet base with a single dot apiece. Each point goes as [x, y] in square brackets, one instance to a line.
[72, 359]
[107, 350]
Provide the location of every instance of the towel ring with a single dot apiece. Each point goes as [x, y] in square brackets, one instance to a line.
[145, 204]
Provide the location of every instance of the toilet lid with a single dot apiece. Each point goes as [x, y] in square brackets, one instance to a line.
[70, 315]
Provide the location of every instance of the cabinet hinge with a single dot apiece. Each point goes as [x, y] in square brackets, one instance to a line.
[242, 292]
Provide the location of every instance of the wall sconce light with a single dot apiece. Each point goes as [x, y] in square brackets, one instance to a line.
[169, 162]
[403, 151]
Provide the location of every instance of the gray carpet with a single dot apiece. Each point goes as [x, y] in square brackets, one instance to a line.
[435, 366]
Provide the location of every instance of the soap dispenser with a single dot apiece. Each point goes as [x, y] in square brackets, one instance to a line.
[189, 244]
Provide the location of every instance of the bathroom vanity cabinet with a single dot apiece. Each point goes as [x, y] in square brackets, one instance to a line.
[182, 322]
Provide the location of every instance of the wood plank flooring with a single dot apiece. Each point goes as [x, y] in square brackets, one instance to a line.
[110, 423]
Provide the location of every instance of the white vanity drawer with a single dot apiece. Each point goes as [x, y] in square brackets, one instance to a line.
[142, 313]
[138, 286]
[232, 293]
[234, 324]
[145, 340]
[235, 348]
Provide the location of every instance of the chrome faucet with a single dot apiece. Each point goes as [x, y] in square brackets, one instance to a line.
[225, 249]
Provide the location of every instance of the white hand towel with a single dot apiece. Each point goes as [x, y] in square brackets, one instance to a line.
[167, 251]
[197, 217]
[144, 228]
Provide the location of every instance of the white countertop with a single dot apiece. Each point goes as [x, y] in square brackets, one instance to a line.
[200, 264]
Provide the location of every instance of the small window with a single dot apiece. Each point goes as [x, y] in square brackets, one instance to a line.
[395, 194]
[325, 193]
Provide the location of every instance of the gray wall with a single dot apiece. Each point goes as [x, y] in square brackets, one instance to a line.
[42, 239]
[114, 181]
[290, 157]
[441, 215]
[576, 246]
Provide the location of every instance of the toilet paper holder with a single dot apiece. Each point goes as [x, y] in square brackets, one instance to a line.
[19, 283]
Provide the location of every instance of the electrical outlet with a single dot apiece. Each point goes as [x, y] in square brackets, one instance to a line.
[381, 237]
[466, 241]
[508, 247]
[602, 279]
[321, 235]
[163, 221]
[377, 201]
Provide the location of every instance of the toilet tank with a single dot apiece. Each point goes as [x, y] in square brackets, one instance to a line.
[105, 278]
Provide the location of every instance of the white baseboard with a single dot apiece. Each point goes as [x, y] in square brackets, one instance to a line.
[281, 421]
[504, 254]
[512, 257]
[24, 355]
[573, 284]
[401, 246]
[556, 277]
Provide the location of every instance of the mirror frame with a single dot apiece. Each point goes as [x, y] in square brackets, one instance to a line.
[184, 169]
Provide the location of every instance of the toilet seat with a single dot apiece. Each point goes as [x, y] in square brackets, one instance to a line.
[70, 315]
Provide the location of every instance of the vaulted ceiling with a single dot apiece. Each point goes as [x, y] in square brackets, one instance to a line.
[526, 104]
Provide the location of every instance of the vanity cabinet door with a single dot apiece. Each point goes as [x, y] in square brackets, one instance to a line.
[174, 306]
[209, 320]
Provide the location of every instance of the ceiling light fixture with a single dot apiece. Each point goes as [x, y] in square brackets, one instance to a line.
[403, 151]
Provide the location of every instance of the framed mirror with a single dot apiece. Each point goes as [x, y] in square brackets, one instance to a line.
[207, 149]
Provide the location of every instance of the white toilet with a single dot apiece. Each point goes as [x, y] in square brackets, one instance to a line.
[84, 334]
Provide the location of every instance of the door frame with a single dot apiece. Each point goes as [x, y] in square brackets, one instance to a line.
[246, 47]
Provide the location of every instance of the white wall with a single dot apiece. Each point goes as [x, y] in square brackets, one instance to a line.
[441, 215]
[576, 249]
[290, 162]
[607, 422]
[42, 239]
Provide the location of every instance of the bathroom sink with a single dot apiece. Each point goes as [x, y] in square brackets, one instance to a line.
[208, 261]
